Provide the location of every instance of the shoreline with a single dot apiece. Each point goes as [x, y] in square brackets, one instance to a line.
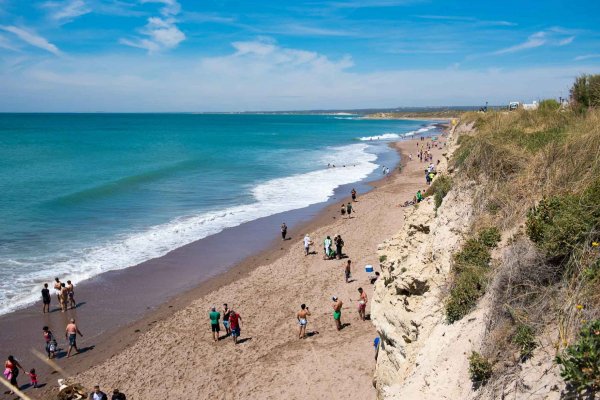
[24, 325]
[162, 318]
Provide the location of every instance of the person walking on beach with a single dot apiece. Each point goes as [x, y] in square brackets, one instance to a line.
[117, 395]
[50, 342]
[343, 210]
[337, 312]
[283, 231]
[339, 244]
[362, 303]
[11, 371]
[33, 378]
[307, 243]
[98, 394]
[302, 320]
[347, 271]
[235, 324]
[349, 209]
[214, 316]
[226, 312]
[45, 299]
[71, 295]
[353, 193]
[71, 333]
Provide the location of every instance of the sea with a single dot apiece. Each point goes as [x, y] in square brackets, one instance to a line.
[81, 194]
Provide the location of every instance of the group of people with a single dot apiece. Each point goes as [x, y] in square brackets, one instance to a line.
[232, 323]
[329, 253]
[65, 294]
[347, 209]
[12, 366]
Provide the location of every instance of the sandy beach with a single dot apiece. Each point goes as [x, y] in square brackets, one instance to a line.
[173, 354]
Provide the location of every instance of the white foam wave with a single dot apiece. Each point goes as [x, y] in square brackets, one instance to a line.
[271, 197]
[395, 136]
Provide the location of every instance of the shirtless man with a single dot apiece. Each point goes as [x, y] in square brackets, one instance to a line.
[64, 297]
[302, 321]
[337, 312]
[362, 303]
[71, 334]
[71, 295]
[347, 271]
[57, 287]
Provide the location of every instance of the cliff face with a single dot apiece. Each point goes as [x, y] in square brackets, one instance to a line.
[420, 355]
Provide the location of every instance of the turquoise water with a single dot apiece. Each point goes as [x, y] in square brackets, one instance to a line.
[86, 193]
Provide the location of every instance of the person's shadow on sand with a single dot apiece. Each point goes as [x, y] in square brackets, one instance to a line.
[244, 340]
[344, 325]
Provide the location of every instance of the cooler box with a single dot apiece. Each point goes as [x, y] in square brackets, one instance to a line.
[368, 268]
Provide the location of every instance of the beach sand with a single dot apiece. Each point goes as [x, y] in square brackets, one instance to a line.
[175, 357]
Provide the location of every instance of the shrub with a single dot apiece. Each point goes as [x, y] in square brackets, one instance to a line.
[467, 288]
[480, 369]
[440, 188]
[560, 224]
[490, 237]
[474, 253]
[585, 92]
[549, 105]
[581, 360]
[382, 258]
[524, 338]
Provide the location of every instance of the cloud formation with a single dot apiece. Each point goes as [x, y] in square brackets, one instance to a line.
[262, 75]
[553, 36]
[161, 32]
[31, 38]
[67, 10]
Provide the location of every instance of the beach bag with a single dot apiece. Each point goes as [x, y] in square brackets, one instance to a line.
[8, 374]
[53, 345]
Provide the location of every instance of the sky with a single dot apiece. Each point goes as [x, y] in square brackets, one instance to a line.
[221, 55]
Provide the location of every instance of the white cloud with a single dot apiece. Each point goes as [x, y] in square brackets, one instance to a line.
[6, 44]
[566, 41]
[67, 10]
[536, 40]
[587, 57]
[551, 37]
[262, 75]
[162, 32]
[31, 38]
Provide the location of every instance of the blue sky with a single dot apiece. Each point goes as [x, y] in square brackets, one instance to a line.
[220, 55]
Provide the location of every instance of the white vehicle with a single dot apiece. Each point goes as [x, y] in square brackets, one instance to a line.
[513, 105]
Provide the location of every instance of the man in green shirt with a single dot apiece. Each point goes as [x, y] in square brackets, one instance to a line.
[214, 316]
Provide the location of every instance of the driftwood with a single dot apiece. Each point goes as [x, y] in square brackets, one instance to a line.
[71, 391]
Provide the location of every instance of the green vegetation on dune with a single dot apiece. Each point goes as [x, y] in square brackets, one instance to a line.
[538, 177]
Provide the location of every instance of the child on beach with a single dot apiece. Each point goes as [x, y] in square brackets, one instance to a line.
[33, 378]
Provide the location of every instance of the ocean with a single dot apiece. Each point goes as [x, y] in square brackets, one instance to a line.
[82, 194]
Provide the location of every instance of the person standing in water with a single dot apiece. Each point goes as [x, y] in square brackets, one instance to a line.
[302, 320]
[337, 312]
[283, 231]
[57, 288]
[71, 295]
[46, 299]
